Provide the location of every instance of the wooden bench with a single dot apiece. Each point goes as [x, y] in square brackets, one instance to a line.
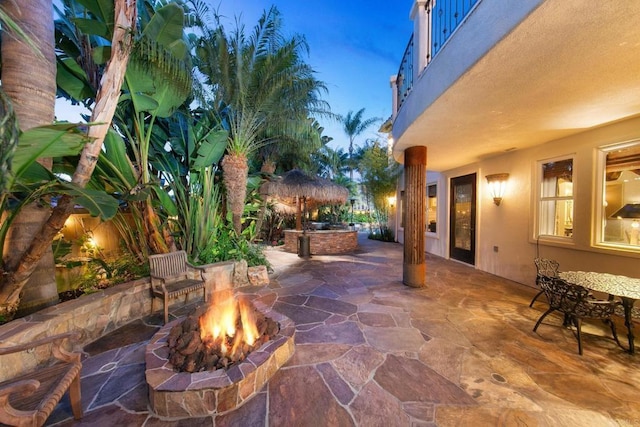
[29, 399]
[172, 276]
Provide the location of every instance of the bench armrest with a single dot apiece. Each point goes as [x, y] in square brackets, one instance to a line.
[25, 387]
[197, 270]
[157, 281]
[58, 339]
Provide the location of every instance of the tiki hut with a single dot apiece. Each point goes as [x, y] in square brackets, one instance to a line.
[302, 189]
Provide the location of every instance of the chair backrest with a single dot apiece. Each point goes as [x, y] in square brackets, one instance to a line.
[575, 299]
[546, 267]
[168, 265]
[556, 291]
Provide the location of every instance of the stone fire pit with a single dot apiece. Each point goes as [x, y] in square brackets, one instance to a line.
[181, 394]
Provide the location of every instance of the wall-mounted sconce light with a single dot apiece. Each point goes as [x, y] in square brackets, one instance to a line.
[391, 200]
[497, 184]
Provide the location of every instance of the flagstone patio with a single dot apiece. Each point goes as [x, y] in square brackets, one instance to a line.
[372, 352]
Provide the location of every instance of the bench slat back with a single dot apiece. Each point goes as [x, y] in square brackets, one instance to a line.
[167, 265]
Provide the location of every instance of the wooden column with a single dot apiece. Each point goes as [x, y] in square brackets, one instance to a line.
[415, 167]
[299, 213]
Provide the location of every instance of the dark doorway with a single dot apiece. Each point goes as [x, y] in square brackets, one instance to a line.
[462, 220]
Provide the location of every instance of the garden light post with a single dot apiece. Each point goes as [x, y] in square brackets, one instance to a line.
[352, 201]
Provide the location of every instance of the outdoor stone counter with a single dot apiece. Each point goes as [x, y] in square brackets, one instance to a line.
[323, 242]
[95, 315]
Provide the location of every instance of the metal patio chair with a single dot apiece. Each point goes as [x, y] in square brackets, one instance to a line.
[544, 268]
[576, 303]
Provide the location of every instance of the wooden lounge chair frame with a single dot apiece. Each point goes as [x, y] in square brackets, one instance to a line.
[173, 276]
[29, 399]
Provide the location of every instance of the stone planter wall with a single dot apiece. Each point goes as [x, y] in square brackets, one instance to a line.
[97, 314]
[323, 242]
[92, 316]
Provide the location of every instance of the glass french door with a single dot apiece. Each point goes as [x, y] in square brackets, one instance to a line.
[462, 219]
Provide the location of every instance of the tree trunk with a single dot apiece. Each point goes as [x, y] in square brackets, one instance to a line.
[106, 102]
[29, 78]
[268, 166]
[155, 235]
[234, 174]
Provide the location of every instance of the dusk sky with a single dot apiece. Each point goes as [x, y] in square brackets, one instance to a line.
[355, 47]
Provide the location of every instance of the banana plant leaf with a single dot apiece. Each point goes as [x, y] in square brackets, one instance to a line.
[197, 137]
[96, 21]
[57, 140]
[101, 54]
[72, 79]
[158, 69]
[104, 10]
[35, 173]
[166, 28]
[98, 203]
[167, 203]
[114, 165]
[93, 27]
[40, 182]
[211, 148]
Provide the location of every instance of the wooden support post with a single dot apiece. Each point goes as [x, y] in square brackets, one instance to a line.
[415, 166]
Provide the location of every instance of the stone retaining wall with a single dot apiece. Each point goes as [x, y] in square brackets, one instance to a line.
[95, 315]
[323, 242]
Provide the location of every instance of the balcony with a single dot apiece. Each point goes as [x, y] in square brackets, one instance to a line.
[511, 78]
[405, 73]
[442, 18]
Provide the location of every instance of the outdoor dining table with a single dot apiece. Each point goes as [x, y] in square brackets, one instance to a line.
[626, 288]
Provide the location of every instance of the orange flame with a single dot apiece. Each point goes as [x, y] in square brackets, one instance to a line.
[248, 323]
[218, 324]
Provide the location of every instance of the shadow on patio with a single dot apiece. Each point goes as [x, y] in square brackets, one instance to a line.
[370, 351]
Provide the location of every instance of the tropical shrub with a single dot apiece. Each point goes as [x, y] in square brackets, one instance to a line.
[229, 247]
[385, 235]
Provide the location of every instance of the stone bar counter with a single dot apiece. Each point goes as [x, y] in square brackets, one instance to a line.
[323, 242]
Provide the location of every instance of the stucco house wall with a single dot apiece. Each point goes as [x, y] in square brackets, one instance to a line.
[510, 226]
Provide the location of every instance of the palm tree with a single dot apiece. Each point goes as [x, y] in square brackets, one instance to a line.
[354, 125]
[36, 18]
[296, 151]
[262, 90]
[331, 164]
[29, 79]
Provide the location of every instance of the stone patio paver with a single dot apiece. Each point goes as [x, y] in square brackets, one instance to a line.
[372, 352]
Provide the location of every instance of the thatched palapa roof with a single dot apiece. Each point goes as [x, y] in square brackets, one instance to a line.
[296, 183]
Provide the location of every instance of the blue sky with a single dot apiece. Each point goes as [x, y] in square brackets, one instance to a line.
[355, 47]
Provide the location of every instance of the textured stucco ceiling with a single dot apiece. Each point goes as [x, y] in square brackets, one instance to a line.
[571, 65]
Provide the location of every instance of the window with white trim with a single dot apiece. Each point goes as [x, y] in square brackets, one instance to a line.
[620, 215]
[555, 206]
